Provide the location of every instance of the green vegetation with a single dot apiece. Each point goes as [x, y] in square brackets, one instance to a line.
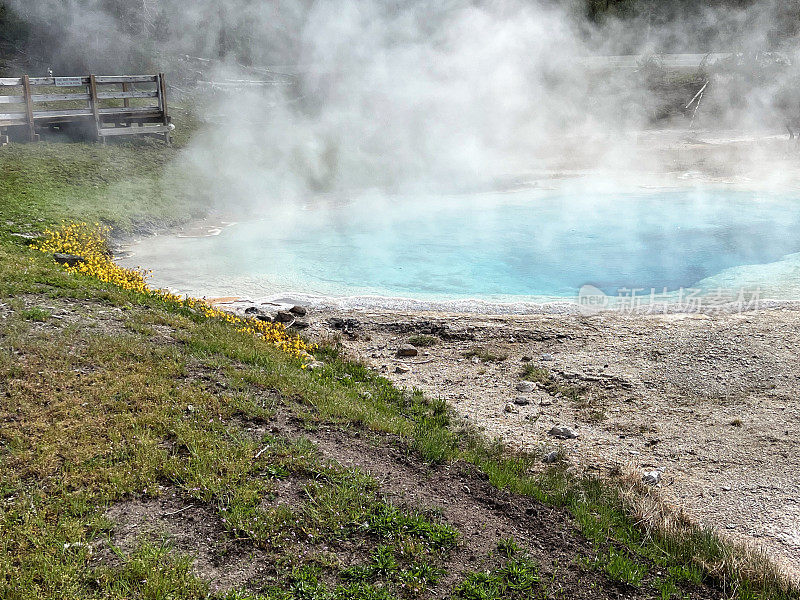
[423, 341]
[132, 399]
[485, 354]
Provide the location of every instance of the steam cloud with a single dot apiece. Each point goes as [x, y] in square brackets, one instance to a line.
[404, 96]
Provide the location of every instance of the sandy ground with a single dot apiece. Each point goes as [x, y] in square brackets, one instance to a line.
[710, 399]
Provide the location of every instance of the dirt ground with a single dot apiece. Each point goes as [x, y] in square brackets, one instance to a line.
[712, 400]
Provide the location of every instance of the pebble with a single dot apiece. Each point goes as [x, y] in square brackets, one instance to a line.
[300, 311]
[402, 369]
[652, 477]
[510, 408]
[547, 357]
[407, 350]
[526, 387]
[521, 401]
[550, 457]
[565, 433]
[317, 364]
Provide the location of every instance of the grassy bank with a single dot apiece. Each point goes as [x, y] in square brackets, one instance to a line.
[150, 451]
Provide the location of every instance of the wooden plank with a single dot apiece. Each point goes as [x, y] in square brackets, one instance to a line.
[70, 112]
[68, 81]
[52, 80]
[126, 95]
[93, 102]
[26, 88]
[144, 129]
[7, 120]
[59, 97]
[126, 87]
[100, 79]
[10, 81]
[12, 99]
[148, 110]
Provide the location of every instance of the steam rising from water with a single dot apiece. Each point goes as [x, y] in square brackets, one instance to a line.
[410, 96]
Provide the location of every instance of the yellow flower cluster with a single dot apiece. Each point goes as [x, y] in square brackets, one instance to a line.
[89, 242]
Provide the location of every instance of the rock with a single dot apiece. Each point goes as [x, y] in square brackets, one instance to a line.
[521, 401]
[564, 433]
[70, 260]
[475, 360]
[402, 369]
[317, 364]
[510, 408]
[343, 324]
[251, 310]
[526, 359]
[300, 311]
[265, 318]
[547, 357]
[652, 477]
[284, 316]
[407, 350]
[298, 324]
[550, 457]
[526, 387]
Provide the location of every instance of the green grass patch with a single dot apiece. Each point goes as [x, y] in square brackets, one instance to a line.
[423, 341]
[485, 354]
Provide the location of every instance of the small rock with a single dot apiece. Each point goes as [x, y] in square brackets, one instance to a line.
[317, 364]
[475, 360]
[726, 488]
[547, 357]
[550, 457]
[526, 387]
[300, 311]
[407, 350]
[284, 316]
[402, 369]
[345, 325]
[564, 433]
[251, 310]
[71, 260]
[652, 477]
[298, 324]
[510, 408]
[526, 359]
[521, 401]
[265, 318]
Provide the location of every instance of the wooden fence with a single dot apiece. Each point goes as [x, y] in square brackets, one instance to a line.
[106, 105]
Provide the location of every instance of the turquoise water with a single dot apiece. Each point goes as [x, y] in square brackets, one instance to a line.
[523, 245]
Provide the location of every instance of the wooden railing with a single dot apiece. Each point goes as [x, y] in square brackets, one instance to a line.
[102, 102]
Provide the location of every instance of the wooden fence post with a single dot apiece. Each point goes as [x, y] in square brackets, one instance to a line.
[26, 91]
[94, 102]
[162, 101]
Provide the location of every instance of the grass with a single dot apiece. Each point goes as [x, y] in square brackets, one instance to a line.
[485, 354]
[36, 314]
[133, 396]
[423, 341]
[540, 375]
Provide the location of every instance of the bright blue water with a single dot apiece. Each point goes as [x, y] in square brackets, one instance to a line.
[522, 244]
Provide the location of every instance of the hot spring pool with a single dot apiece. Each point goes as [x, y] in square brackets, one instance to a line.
[521, 246]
